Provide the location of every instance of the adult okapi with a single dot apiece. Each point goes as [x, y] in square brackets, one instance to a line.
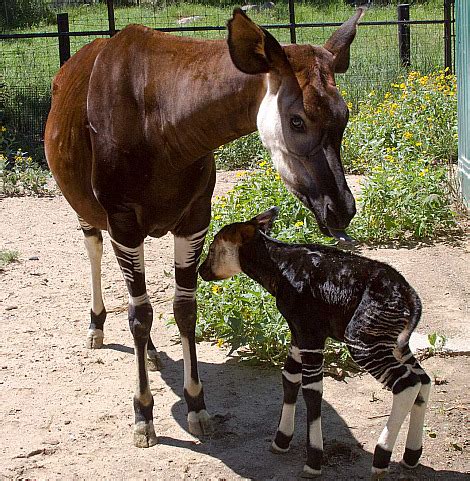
[129, 139]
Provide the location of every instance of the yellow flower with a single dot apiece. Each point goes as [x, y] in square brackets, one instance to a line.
[350, 105]
[220, 343]
[3, 128]
[387, 95]
[216, 289]
[263, 163]
[407, 135]
[241, 173]
[403, 86]
[419, 144]
[217, 217]
[299, 224]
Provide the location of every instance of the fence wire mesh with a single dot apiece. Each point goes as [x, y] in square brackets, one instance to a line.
[27, 65]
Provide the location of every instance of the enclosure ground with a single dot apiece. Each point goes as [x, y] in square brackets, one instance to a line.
[67, 411]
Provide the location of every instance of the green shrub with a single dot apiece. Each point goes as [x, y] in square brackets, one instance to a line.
[416, 119]
[19, 174]
[8, 256]
[243, 153]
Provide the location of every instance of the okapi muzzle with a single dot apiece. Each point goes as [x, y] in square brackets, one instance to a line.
[325, 192]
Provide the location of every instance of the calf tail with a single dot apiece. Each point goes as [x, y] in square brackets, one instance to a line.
[415, 315]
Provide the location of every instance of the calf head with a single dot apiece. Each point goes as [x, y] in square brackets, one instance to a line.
[222, 261]
[302, 116]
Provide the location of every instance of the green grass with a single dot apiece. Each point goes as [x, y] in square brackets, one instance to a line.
[8, 256]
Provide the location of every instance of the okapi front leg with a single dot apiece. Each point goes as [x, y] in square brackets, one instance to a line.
[312, 390]
[131, 261]
[291, 379]
[187, 252]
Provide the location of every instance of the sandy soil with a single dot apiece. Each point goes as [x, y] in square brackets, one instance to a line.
[66, 412]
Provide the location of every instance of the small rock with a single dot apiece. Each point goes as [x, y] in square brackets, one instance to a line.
[10, 308]
[34, 258]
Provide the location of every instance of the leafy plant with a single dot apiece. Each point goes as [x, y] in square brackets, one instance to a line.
[243, 153]
[416, 119]
[436, 342]
[19, 174]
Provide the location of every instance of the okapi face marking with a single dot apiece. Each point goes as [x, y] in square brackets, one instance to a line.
[302, 116]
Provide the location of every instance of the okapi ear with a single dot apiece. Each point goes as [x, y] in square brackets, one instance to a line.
[338, 44]
[266, 219]
[252, 48]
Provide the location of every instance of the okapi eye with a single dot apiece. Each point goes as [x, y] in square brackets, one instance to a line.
[297, 123]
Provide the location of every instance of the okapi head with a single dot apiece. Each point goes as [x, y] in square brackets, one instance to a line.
[302, 115]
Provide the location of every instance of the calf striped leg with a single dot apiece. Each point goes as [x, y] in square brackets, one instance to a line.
[94, 247]
[414, 440]
[371, 337]
[187, 252]
[312, 390]
[131, 261]
[291, 379]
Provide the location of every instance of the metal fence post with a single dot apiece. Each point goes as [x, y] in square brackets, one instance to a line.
[448, 34]
[64, 40]
[293, 37]
[404, 34]
[111, 20]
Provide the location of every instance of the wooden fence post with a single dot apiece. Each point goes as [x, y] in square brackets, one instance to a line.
[64, 40]
[404, 34]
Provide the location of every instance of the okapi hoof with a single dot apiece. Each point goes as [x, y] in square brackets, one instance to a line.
[94, 339]
[310, 473]
[153, 361]
[144, 435]
[411, 458]
[277, 450]
[378, 473]
[200, 424]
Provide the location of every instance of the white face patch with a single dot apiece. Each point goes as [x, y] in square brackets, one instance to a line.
[272, 136]
[224, 259]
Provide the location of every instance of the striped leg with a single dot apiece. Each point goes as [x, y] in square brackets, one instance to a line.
[312, 390]
[371, 338]
[187, 252]
[414, 440]
[94, 247]
[291, 378]
[131, 261]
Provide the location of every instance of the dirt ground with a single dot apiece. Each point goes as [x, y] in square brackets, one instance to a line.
[66, 412]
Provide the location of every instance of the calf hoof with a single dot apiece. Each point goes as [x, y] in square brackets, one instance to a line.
[153, 361]
[94, 339]
[411, 458]
[378, 473]
[200, 424]
[277, 450]
[144, 435]
[309, 472]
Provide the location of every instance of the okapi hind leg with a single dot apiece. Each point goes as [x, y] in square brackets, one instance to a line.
[377, 355]
[94, 246]
[414, 440]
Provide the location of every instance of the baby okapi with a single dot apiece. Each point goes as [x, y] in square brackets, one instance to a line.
[324, 292]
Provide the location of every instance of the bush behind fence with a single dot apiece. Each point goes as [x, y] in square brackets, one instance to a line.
[27, 65]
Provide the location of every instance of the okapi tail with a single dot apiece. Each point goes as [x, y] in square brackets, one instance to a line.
[414, 317]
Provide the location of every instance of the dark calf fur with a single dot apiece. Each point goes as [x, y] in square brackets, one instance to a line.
[324, 292]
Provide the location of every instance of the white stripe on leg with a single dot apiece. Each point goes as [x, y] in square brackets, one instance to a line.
[94, 247]
[414, 439]
[191, 387]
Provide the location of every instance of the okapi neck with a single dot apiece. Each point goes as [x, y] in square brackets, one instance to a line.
[256, 262]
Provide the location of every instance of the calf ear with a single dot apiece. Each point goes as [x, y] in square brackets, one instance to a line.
[266, 219]
[252, 48]
[338, 44]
